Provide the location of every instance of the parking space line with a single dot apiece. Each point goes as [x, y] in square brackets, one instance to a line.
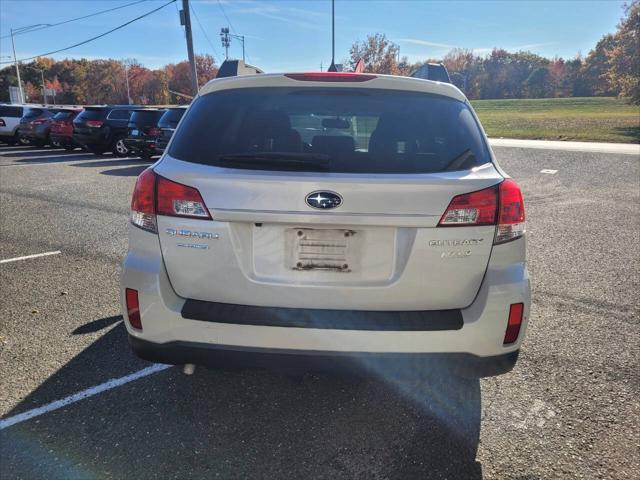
[89, 392]
[27, 257]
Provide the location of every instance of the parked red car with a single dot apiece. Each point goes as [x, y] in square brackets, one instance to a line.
[61, 133]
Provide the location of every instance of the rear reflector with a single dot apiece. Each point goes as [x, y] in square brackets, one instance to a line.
[515, 321]
[133, 308]
[177, 200]
[475, 208]
[330, 77]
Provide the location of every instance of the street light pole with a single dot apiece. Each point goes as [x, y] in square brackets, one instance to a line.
[15, 60]
[18, 31]
[44, 90]
[126, 76]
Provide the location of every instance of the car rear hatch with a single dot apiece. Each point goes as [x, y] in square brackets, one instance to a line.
[89, 120]
[143, 124]
[169, 122]
[327, 198]
[62, 123]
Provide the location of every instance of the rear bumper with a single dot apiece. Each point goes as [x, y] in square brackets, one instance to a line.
[95, 139]
[135, 144]
[294, 361]
[173, 326]
[62, 139]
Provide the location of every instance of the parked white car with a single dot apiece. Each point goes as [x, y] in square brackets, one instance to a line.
[328, 220]
[10, 116]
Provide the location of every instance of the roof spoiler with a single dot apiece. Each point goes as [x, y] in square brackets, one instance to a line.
[432, 71]
[234, 68]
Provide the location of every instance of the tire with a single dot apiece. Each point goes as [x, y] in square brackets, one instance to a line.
[119, 149]
[69, 148]
[145, 155]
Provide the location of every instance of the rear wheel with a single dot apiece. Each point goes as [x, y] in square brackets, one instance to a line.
[69, 148]
[119, 149]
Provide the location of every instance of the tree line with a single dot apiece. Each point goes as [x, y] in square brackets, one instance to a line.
[85, 82]
[612, 68]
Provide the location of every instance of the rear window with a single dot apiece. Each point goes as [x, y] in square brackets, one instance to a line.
[120, 114]
[335, 130]
[145, 117]
[61, 115]
[33, 112]
[91, 114]
[171, 117]
[14, 112]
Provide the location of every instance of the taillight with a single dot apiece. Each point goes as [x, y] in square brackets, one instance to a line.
[177, 200]
[94, 123]
[154, 131]
[155, 195]
[500, 205]
[516, 310]
[510, 212]
[38, 122]
[330, 77]
[133, 308]
[143, 202]
[472, 209]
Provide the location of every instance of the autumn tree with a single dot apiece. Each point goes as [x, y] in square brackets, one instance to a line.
[623, 54]
[379, 55]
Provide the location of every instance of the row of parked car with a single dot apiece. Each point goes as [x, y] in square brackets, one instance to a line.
[125, 130]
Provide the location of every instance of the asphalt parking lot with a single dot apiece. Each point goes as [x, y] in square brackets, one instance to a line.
[570, 409]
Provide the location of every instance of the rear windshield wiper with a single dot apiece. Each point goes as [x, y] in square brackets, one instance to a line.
[273, 160]
[459, 162]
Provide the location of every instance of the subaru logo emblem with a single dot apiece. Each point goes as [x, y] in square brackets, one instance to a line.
[323, 200]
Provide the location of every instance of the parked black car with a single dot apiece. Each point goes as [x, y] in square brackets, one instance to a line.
[35, 125]
[143, 132]
[103, 128]
[167, 124]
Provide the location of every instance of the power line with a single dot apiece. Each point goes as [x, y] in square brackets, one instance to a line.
[227, 18]
[96, 37]
[75, 19]
[193, 10]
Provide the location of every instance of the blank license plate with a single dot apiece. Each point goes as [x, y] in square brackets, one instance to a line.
[135, 133]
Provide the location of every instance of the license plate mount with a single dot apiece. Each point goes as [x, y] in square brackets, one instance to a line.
[322, 249]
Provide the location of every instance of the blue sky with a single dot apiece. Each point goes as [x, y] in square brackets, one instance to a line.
[290, 35]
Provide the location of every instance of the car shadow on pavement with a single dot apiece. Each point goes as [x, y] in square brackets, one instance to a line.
[241, 424]
[44, 158]
[44, 152]
[97, 325]
[125, 172]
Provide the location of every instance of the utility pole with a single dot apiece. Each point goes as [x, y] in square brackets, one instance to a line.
[186, 19]
[126, 76]
[226, 41]
[332, 67]
[44, 90]
[15, 60]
